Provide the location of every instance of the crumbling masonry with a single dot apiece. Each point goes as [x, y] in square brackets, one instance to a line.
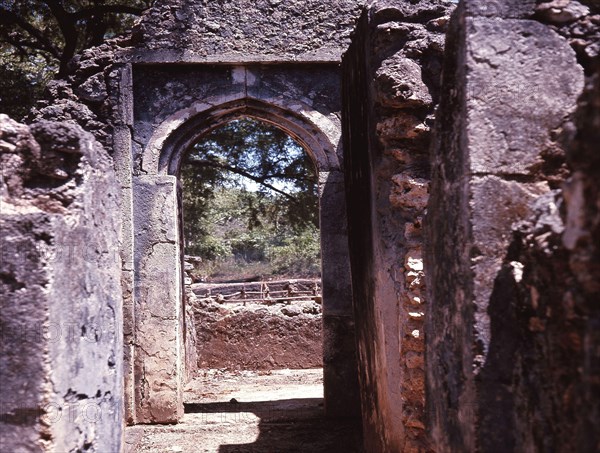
[459, 168]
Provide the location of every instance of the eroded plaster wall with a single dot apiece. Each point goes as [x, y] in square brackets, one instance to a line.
[60, 317]
[509, 226]
[391, 86]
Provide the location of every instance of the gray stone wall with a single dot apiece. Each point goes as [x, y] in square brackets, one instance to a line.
[391, 86]
[61, 338]
[90, 95]
[169, 95]
[509, 329]
[247, 30]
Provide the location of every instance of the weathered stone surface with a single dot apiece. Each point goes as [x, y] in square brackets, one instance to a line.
[61, 343]
[505, 346]
[243, 28]
[513, 106]
[578, 22]
[103, 88]
[561, 11]
[19, 152]
[495, 205]
[407, 12]
[174, 94]
[190, 336]
[258, 336]
[93, 89]
[340, 379]
[514, 302]
[399, 83]
[506, 9]
[391, 85]
[158, 361]
[544, 313]
[174, 106]
[409, 192]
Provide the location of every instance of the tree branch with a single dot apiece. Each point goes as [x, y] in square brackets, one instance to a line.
[106, 9]
[43, 43]
[69, 31]
[295, 176]
[238, 171]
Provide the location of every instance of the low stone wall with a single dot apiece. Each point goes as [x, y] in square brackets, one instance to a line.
[256, 336]
[61, 342]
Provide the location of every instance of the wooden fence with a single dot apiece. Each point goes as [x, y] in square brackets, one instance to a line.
[268, 292]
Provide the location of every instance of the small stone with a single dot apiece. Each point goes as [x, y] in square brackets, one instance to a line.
[413, 261]
[517, 270]
[402, 155]
[409, 192]
[291, 310]
[413, 230]
[561, 11]
[400, 83]
[93, 89]
[212, 26]
[415, 423]
[414, 360]
[402, 126]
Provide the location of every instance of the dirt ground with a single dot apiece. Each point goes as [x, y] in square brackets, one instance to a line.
[251, 412]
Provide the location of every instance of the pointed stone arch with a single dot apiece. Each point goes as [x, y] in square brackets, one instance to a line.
[317, 134]
[156, 359]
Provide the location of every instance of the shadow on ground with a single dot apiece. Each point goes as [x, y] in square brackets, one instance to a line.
[285, 426]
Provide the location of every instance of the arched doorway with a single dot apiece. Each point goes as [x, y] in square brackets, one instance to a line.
[158, 355]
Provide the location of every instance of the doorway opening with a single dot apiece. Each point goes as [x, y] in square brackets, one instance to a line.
[250, 208]
[164, 322]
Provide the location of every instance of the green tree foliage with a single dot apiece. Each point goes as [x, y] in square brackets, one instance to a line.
[38, 38]
[250, 196]
[22, 81]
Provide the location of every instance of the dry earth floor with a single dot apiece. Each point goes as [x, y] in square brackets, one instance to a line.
[251, 412]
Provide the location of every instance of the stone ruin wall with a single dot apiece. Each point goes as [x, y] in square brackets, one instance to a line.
[265, 325]
[512, 232]
[246, 31]
[535, 302]
[221, 69]
[99, 95]
[60, 289]
[509, 184]
[391, 87]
